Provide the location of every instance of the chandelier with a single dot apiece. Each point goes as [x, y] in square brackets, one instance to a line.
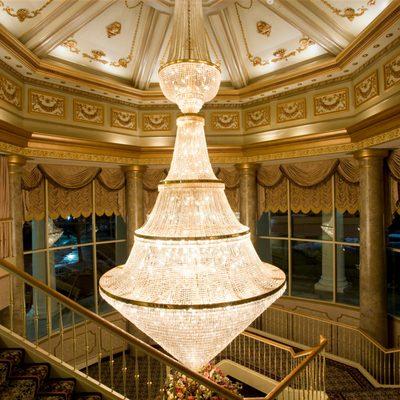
[193, 280]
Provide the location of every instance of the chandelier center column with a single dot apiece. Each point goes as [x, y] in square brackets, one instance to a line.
[134, 201]
[373, 286]
[248, 196]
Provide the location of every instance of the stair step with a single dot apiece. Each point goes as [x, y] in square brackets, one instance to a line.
[9, 359]
[57, 389]
[38, 372]
[19, 389]
[374, 394]
[88, 396]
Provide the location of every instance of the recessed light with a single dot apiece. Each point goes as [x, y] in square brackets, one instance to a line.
[299, 84]
[376, 45]
[46, 77]
[313, 80]
[19, 66]
[389, 35]
[329, 76]
[29, 73]
[92, 90]
[346, 70]
[117, 96]
[7, 57]
[355, 63]
[63, 82]
[77, 86]
[365, 55]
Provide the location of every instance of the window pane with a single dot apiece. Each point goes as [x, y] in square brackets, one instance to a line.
[272, 224]
[313, 226]
[393, 234]
[274, 252]
[348, 275]
[35, 264]
[34, 235]
[347, 227]
[393, 264]
[70, 231]
[72, 274]
[110, 228]
[109, 255]
[312, 269]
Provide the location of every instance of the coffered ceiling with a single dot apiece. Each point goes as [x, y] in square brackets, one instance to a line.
[123, 41]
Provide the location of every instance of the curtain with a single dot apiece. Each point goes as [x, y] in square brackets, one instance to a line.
[393, 163]
[310, 186]
[6, 248]
[70, 191]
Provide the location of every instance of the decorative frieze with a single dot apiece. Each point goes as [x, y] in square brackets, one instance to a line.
[46, 103]
[227, 120]
[366, 89]
[156, 122]
[85, 111]
[10, 92]
[123, 119]
[391, 72]
[336, 101]
[257, 118]
[291, 110]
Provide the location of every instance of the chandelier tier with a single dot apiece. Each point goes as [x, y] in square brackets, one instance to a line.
[193, 280]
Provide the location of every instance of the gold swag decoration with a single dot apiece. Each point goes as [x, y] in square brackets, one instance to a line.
[349, 12]
[23, 13]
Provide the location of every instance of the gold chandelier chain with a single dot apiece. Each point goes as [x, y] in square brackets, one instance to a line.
[237, 5]
[132, 7]
[349, 12]
[23, 13]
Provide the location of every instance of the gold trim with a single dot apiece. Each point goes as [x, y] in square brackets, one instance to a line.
[98, 105]
[119, 110]
[31, 111]
[189, 60]
[193, 238]
[168, 116]
[360, 82]
[347, 93]
[384, 66]
[280, 104]
[193, 306]
[191, 116]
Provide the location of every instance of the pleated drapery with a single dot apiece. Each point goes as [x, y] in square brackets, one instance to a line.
[6, 247]
[70, 191]
[393, 163]
[310, 186]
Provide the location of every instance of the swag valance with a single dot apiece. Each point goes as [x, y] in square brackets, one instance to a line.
[70, 191]
[393, 163]
[310, 186]
[6, 248]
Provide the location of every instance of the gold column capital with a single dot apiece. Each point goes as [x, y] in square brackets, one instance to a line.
[134, 168]
[247, 167]
[15, 163]
[371, 153]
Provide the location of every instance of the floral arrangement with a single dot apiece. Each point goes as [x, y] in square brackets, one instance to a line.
[179, 386]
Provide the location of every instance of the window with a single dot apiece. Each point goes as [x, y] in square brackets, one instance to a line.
[318, 251]
[393, 265]
[70, 254]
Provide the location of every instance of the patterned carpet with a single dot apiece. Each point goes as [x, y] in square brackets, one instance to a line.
[23, 381]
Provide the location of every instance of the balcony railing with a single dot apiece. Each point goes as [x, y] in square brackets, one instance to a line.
[131, 368]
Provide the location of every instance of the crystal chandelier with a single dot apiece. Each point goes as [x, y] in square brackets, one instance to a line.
[193, 280]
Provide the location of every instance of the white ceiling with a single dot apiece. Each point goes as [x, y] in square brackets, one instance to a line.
[85, 22]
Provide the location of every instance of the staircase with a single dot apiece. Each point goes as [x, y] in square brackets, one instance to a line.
[21, 380]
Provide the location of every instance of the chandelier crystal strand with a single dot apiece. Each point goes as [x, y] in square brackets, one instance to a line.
[193, 280]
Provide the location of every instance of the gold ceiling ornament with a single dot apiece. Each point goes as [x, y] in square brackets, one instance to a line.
[98, 54]
[113, 29]
[264, 28]
[23, 13]
[349, 12]
[279, 54]
[72, 45]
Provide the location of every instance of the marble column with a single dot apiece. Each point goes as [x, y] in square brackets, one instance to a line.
[134, 220]
[373, 286]
[248, 196]
[134, 201]
[15, 166]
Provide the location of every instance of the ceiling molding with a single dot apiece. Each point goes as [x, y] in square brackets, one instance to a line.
[222, 28]
[64, 28]
[306, 24]
[155, 26]
[36, 33]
